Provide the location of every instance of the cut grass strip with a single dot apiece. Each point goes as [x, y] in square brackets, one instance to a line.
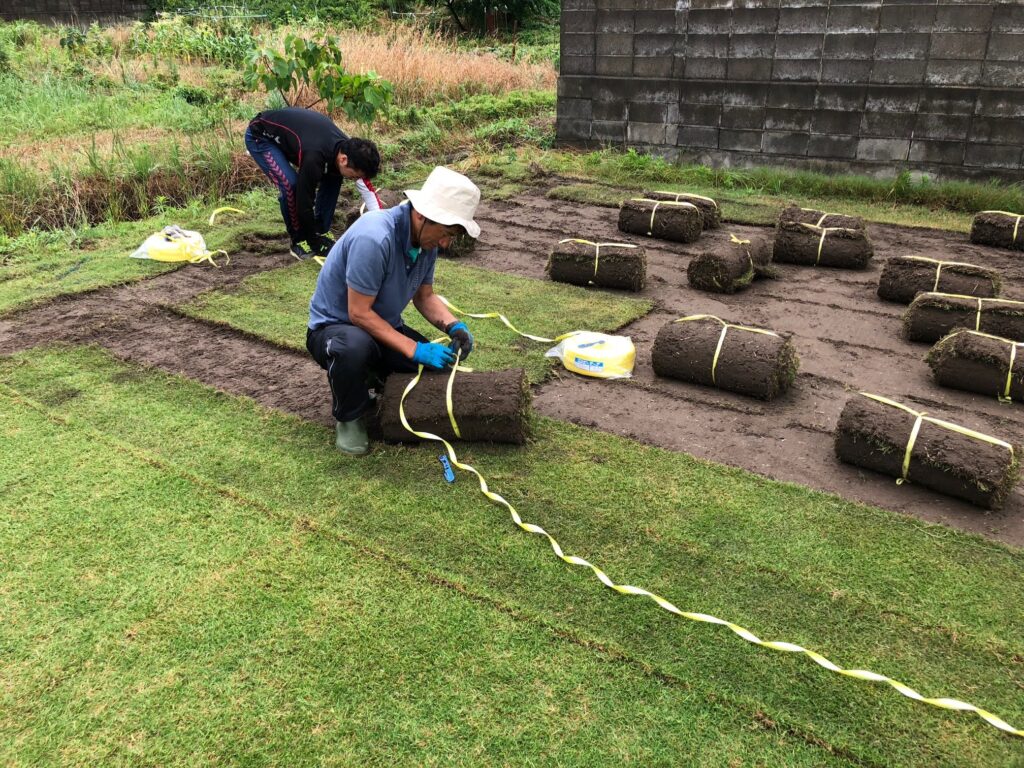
[740, 211]
[864, 587]
[148, 619]
[42, 265]
[274, 305]
[944, 206]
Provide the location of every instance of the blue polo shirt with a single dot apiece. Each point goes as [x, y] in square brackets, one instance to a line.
[372, 258]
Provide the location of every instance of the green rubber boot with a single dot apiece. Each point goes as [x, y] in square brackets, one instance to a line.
[350, 437]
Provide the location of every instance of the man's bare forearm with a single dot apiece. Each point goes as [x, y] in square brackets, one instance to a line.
[434, 310]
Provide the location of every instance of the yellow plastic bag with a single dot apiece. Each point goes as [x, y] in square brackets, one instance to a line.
[176, 244]
[596, 354]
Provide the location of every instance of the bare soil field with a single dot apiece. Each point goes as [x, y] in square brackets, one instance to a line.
[847, 338]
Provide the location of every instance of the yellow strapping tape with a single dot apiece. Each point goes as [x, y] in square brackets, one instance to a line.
[597, 247]
[1016, 225]
[750, 258]
[225, 209]
[625, 589]
[503, 319]
[1009, 373]
[921, 416]
[721, 338]
[686, 194]
[824, 232]
[822, 217]
[981, 301]
[1005, 398]
[650, 226]
[938, 267]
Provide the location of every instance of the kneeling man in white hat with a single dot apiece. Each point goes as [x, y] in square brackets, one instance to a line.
[381, 263]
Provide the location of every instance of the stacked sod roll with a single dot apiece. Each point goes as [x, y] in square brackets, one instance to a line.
[903, 277]
[458, 246]
[609, 265]
[795, 213]
[488, 406]
[812, 245]
[681, 222]
[704, 349]
[979, 362]
[734, 268]
[999, 228]
[887, 437]
[708, 207]
[931, 316]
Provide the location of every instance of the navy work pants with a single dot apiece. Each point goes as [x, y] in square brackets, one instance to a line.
[352, 358]
[275, 165]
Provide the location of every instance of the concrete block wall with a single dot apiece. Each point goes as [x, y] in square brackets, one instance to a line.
[869, 86]
[82, 12]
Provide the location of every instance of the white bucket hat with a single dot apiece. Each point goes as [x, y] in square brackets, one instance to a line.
[447, 198]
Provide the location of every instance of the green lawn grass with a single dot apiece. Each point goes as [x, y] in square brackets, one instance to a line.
[275, 640]
[153, 619]
[753, 196]
[41, 265]
[275, 305]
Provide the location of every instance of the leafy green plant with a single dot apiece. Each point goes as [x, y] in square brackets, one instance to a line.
[307, 64]
[91, 43]
[72, 39]
[224, 39]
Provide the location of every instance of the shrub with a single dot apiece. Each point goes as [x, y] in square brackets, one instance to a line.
[306, 64]
[194, 94]
[20, 34]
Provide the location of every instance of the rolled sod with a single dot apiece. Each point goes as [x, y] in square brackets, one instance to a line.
[619, 265]
[979, 362]
[761, 365]
[795, 213]
[489, 406]
[460, 245]
[733, 269]
[999, 228]
[681, 222]
[797, 243]
[931, 316]
[874, 436]
[708, 207]
[903, 277]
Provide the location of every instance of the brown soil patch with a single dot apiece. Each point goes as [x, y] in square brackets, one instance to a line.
[137, 323]
[847, 338]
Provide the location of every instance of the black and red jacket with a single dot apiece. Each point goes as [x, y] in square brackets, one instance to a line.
[311, 142]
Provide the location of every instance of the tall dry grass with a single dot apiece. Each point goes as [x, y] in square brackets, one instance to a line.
[424, 66]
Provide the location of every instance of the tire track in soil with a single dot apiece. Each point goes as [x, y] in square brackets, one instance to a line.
[848, 340]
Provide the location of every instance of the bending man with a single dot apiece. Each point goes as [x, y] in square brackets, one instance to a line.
[382, 262]
[322, 156]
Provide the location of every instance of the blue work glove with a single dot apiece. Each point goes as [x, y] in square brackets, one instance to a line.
[432, 355]
[462, 339]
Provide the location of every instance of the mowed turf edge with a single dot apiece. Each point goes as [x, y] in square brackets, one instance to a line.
[273, 305]
[292, 647]
[836, 608]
